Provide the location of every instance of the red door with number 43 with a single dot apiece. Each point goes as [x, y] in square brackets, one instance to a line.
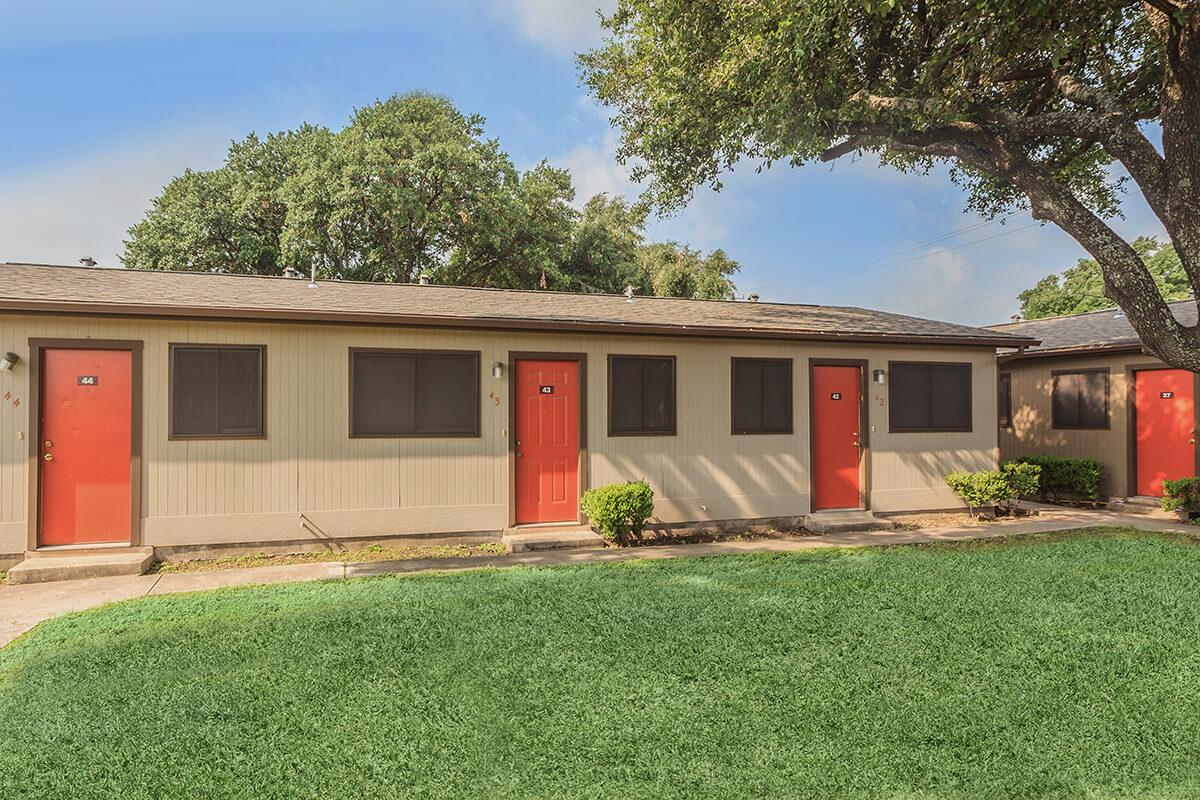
[547, 441]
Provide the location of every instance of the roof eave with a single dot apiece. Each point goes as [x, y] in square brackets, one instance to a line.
[1078, 350]
[489, 323]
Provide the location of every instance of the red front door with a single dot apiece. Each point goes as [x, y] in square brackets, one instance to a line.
[85, 446]
[547, 441]
[1166, 428]
[837, 416]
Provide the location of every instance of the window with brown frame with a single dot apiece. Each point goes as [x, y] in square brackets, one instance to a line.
[929, 396]
[762, 395]
[1079, 399]
[1004, 399]
[412, 393]
[641, 395]
[216, 391]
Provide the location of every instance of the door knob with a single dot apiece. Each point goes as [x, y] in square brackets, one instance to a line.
[48, 457]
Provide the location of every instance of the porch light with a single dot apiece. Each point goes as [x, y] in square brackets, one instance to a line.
[880, 376]
[8, 362]
[497, 370]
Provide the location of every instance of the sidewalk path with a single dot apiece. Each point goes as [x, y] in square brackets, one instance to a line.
[24, 606]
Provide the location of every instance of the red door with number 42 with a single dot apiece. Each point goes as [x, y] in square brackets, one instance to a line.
[837, 437]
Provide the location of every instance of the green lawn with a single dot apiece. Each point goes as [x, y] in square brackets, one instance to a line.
[1058, 667]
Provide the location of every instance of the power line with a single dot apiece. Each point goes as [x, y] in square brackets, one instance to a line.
[915, 246]
[843, 273]
[970, 302]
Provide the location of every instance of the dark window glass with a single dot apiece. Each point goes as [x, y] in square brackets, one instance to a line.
[762, 395]
[1080, 399]
[216, 391]
[400, 393]
[641, 391]
[930, 397]
[1004, 399]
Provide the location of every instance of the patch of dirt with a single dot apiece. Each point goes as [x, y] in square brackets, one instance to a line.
[953, 519]
[656, 538]
[368, 553]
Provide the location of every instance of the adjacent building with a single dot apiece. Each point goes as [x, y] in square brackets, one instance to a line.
[1089, 390]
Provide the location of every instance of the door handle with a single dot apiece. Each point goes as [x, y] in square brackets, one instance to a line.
[48, 457]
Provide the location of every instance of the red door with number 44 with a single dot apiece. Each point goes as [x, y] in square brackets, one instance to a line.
[85, 446]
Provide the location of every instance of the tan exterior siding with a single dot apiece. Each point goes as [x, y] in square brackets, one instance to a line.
[1032, 430]
[308, 480]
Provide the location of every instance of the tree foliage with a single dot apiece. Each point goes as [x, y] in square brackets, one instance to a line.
[1080, 288]
[1033, 104]
[410, 186]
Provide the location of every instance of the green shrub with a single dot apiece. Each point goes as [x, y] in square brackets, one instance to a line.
[619, 510]
[1023, 480]
[980, 489]
[1066, 478]
[1181, 495]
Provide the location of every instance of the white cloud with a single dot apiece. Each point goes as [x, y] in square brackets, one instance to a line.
[561, 26]
[83, 207]
[594, 169]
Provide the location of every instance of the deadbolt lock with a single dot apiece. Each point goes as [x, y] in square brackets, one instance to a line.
[49, 443]
[48, 457]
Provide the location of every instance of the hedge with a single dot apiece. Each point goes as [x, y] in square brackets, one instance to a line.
[1066, 478]
[1181, 495]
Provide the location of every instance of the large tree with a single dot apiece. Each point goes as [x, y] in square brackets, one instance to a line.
[409, 187]
[1033, 103]
[1080, 288]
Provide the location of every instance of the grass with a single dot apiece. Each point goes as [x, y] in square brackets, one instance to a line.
[371, 552]
[1049, 667]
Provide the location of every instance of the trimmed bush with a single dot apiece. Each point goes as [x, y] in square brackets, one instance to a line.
[987, 487]
[619, 510]
[1181, 495]
[1066, 478]
[1023, 480]
[981, 489]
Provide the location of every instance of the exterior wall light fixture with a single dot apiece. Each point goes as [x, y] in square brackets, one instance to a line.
[880, 376]
[497, 370]
[8, 362]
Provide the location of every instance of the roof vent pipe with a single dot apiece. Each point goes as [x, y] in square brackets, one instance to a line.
[752, 298]
[628, 293]
[291, 272]
[312, 276]
[423, 279]
[88, 261]
[1015, 318]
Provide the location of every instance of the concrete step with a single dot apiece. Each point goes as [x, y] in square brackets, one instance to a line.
[1142, 506]
[846, 522]
[534, 539]
[66, 565]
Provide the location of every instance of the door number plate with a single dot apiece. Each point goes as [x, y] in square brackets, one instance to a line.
[88, 380]
[546, 389]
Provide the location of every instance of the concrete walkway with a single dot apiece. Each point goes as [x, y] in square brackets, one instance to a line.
[22, 607]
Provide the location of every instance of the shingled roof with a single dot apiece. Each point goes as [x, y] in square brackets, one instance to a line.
[1104, 330]
[126, 292]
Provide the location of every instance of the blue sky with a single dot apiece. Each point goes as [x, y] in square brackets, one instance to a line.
[106, 100]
